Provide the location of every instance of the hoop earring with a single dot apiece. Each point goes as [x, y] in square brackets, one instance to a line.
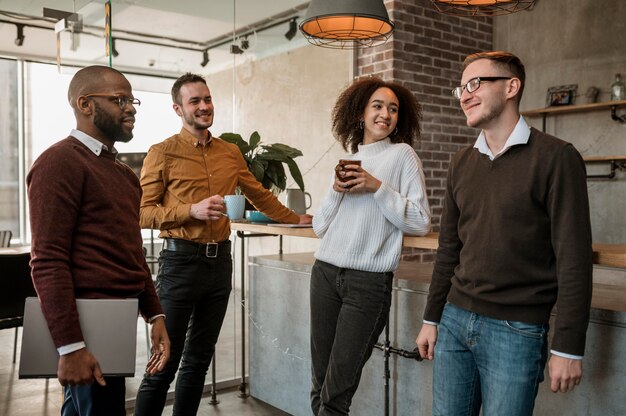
[395, 131]
[361, 124]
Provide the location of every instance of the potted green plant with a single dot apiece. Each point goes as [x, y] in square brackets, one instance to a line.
[265, 161]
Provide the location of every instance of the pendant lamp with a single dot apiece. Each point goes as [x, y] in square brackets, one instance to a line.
[346, 24]
[481, 7]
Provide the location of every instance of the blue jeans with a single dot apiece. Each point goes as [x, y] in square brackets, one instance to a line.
[194, 291]
[95, 400]
[489, 362]
[349, 310]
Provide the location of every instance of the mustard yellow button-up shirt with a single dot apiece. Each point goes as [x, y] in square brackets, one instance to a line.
[180, 171]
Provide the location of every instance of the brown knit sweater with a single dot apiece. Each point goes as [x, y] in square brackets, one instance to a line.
[86, 240]
[516, 238]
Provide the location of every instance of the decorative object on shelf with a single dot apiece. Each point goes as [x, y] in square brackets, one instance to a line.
[473, 8]
[618, 89]
[265, 161]
[591, 96]
[346, 24]
[561, 95]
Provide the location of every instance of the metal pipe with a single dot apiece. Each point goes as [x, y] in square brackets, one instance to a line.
[243, 385]
[213, 400]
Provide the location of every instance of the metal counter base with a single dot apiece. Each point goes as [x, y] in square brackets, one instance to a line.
[280, 357]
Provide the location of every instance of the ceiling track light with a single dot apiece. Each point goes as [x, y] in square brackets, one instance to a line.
[346, 24]
[245, 43]
[471, 8]
[205, 58]
[235, 49]
[19, 40]
[293, 29]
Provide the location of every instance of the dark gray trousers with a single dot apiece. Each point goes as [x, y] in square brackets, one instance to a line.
[349, 310]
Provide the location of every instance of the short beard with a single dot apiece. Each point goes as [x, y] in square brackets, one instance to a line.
[191, 121]
[492, 113]
[112, 128]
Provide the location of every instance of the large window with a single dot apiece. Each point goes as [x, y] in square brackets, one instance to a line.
[48, 118]
[9, 144]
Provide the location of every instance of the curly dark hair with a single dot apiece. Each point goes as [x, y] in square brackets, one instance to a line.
[350, 106]
[188, 78]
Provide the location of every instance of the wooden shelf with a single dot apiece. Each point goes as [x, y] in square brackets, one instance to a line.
[565, 109]
[592, 159]
[615, 163]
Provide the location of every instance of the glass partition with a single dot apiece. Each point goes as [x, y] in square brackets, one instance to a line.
[9, 148]
[286, 95]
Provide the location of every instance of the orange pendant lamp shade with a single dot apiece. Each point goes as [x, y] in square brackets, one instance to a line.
[346, 23]
[481, 7]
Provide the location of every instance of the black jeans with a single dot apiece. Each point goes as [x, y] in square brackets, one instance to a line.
[349, 310]
[194, 292]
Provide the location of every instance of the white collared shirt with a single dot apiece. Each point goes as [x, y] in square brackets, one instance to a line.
[92, 144]
[519, 135]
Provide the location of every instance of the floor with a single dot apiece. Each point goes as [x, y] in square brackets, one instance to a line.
[36, 397]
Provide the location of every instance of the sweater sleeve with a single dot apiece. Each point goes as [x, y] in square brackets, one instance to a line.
[327, 211]
[54, 195]
[406, 208]
[568, 207]
[448, 254]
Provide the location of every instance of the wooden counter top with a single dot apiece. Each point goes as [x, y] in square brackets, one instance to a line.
[610, 255]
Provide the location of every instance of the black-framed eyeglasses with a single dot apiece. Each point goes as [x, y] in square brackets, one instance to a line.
[121, 100]
[473, 84]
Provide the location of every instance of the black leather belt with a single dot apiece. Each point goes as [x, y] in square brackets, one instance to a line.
[206, 250]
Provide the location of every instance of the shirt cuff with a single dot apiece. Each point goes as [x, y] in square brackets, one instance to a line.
[431, 323]
[570, 356]
[69, 348]
[155, 317]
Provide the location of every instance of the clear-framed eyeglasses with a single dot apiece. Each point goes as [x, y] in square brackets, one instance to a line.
[472, 85]
[121, 100]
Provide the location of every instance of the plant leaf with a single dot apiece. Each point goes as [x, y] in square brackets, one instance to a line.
[258, 170]
[295, 173]
[287, 150]
[276, 173]
[255, 139]
[235, 138]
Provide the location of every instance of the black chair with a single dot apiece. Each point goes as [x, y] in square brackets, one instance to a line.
[5, 238]
[15, 286]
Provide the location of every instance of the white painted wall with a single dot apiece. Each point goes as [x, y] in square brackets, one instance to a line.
[576, 42]
[287, 98]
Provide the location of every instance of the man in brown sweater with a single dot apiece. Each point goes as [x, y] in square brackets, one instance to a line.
[86, 239]
[515, 240]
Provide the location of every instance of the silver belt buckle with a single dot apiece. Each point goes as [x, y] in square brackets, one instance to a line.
[211, 250]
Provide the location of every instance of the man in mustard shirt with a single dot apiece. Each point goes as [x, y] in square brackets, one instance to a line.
[184, 179]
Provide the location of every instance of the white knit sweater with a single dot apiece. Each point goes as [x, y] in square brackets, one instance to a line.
[363, 231]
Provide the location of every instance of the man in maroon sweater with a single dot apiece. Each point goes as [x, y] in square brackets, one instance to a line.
[515, 240]
[86, 239]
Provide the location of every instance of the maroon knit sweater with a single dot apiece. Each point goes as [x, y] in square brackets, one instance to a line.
[86, 240]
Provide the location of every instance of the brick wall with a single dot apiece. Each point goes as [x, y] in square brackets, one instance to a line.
[425, 55]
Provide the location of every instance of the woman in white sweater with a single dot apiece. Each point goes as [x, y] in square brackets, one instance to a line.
[361, 223]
